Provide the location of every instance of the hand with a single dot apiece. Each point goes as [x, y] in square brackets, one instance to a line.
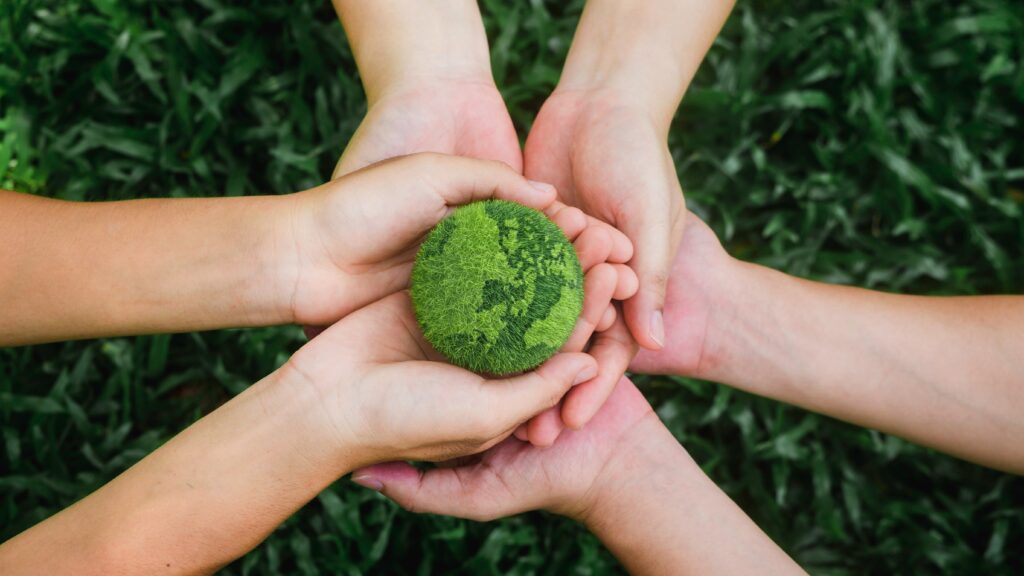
[353, 241]
[624, 476]
[568, 478]
[703, 285]
[610, 158]
[387, 395]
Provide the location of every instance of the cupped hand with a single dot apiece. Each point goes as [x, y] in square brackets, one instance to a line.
[386, 394]
[353, 240]
[608, 157]
[566, 478]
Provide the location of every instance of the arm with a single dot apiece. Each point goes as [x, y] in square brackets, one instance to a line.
[220, 487]
[624, 476]
[82, 270]
[944, 372]
[644, 52]
[602, 140]
[401, 42]
[426, 70]
[658, 513]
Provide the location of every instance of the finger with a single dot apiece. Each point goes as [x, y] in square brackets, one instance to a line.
[448, 491]
[571, 220]
[593, 246]
[313, 331]
[516, 399]
[655, 236]
[614, 350]
[607, 319]
[622, 248]
[544, 428]
[460, 180]
[627, 284]
[598, 286]
[522, 432]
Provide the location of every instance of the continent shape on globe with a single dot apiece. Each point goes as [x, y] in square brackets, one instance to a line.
[497, 287]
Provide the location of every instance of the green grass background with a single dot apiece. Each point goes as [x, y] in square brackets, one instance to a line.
[875, 143]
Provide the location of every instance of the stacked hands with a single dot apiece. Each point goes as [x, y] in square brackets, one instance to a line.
[397, 392]
[367, 393]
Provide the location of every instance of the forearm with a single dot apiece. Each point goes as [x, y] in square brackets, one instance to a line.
[399, 42]
[944, 372]
[78, 270]
[646, 51]
[203, 499]
[660, 514]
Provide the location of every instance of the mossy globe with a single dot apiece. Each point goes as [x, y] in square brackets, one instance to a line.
[497, 287]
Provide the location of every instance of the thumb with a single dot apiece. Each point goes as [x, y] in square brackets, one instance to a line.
[521, 397]
[655, 231]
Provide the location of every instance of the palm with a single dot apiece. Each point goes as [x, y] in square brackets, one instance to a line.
[595, 153]
[460, 118]
[693, 286]
[515, 476]
[400, 379]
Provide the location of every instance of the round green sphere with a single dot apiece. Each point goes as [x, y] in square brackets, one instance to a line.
[497, 287]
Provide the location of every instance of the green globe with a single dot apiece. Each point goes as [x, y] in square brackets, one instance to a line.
[497, 287]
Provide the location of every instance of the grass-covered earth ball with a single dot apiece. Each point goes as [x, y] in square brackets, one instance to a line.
[497, 287]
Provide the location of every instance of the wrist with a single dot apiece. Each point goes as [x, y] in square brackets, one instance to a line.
[647, 461]
[329, 439]
[752, 340]
[401, 45]
[610, 59]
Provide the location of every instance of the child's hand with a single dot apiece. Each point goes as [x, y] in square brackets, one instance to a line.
[568, 478]
[352, 241]
[386, 395]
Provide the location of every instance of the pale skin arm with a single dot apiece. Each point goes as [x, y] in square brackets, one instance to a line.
[404, 41]
[343, 401]
[649, 51]
[624, 476]
[82, 270]
[602, 139]
[426, 71]
[946, 372]
[660, 514]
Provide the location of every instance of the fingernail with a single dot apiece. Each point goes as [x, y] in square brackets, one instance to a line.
[369, 482]
[588, 373]
[658, 328]
[541, 186]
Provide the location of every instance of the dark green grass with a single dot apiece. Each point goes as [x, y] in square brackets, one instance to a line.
[872, 143]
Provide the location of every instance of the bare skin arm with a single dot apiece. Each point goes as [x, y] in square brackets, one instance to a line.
[944, 372]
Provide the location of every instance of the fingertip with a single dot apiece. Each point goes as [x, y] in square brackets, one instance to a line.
[607, 319]
[539, 195]
[645, 321]
[545, 428]
[593, 246]
[570, 219]
[627, 285]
